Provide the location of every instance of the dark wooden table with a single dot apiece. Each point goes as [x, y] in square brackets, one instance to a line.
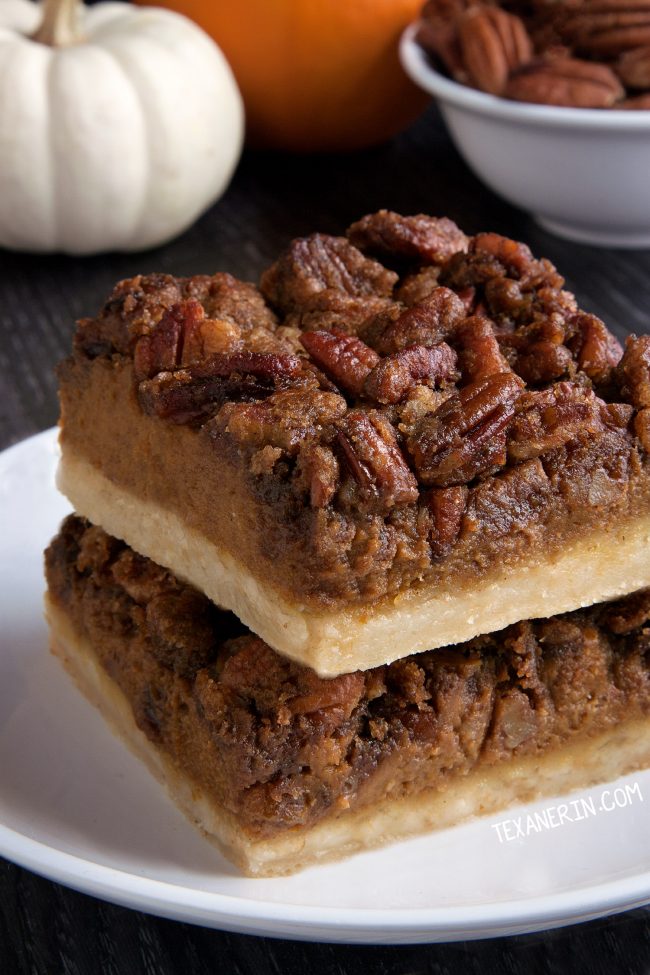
[46, 929]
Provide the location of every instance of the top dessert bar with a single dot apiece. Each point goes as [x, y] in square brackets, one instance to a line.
[404, 438]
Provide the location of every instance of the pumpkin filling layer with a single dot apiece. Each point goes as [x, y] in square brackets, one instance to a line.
[404, 431]
[282, 767]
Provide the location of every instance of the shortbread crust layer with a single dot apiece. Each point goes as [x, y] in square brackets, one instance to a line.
[604, 565]
[282, 769]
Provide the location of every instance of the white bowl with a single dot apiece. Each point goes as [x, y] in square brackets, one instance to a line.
[583, 173]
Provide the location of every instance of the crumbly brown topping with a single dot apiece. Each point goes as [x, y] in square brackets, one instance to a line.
[282, 746]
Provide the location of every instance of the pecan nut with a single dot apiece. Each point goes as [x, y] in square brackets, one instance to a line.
[426, 323]
[607, 28]
[565, 81]
[344, 358]
[447, 506]
[429, 240]
[465, 436]
[369, 446]
[393, 377]
[551, 418]
[492, 43]
[633, 67]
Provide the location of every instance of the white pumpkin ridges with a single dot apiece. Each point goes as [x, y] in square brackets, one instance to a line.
[115, 143]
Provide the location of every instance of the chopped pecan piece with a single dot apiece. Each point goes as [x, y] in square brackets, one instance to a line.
[397, 374]
[447, 506]
[344, 358]
[424, 324]
[634, 371]
[286, 419]
[597, 351]
[479, 354]
[492, 43]
[565, 81]
[320, 263]
[318, 472]
[414, 288]
[642, 428]
[186, 395]
[492, 256]
[429, 240]
[552, 417]
[160, 350]
[182, 337]
[369, 446]
[465, 437]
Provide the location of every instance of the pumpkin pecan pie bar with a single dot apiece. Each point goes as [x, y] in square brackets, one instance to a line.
[282, 768]
[403, 438]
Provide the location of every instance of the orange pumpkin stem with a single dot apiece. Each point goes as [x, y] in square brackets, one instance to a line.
[60, 25]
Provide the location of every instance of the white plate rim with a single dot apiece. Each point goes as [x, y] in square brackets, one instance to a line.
[308, 922]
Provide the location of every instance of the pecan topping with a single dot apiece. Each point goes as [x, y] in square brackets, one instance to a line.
[634, 371]
[424, 324]
[344, 358]
[429, 240]
[597, 351]
[159, 351]
[182, 337]
[479, 352]
[565, 81]
[397, 374]
[447, 506]
[465, 437]
[491, 256]
[369, 446]
[492, 44]
[319, 263]
[199, 391]
[287, 419]
[552, 417]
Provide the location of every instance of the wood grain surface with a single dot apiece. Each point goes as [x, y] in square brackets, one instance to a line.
[46, 929]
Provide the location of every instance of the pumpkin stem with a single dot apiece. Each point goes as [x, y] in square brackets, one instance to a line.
[60, 24]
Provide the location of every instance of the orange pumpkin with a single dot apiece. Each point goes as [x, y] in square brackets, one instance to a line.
[315, 74]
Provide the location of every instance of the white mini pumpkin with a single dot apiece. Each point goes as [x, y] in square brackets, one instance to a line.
[119, 125]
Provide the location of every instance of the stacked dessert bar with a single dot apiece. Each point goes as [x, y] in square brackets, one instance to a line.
[361, 552]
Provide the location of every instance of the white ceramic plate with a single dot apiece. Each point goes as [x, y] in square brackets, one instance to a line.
[75, 806]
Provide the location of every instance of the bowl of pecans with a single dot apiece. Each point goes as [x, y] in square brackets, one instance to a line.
[549, 104]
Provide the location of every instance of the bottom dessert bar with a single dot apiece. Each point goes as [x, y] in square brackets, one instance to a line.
[281, 768]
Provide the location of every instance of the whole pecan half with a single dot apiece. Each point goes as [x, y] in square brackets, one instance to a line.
[605, 29]
[426, 323]
[565, 81]
[393, 377]
[492, 44]
[465, 436]
[344, 358]
[552, 417]
[369, 446]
